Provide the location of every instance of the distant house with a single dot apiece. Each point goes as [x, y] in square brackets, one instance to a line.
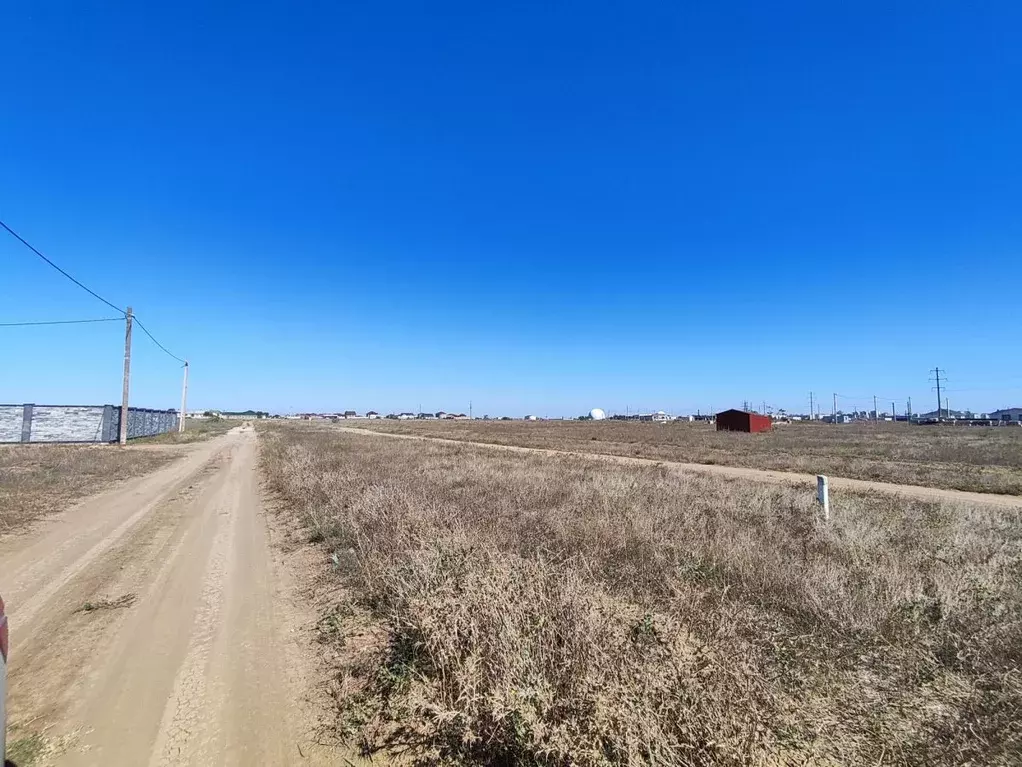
[441, 414]
[741, 420]
[659, 417]
[1008, 415]
[839, 418]
[372, 414]
[405, 416]
[350, 414]
[531, 418]
[426, 416]
[244, 415]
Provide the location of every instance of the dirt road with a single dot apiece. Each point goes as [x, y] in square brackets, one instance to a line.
[150, 624]
[761, 475]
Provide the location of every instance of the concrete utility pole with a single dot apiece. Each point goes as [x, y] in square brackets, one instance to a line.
[876, 415]
[835, 408]
[470, 410]
[184, 401]
[908, 409]
[936, 372]
[894, 415]
[122, 437]
[811, 417]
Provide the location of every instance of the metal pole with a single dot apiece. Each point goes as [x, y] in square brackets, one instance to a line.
[123, 435]
[184, 401]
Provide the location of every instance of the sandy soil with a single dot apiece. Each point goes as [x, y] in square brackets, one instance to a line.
[762, 475]
[155, 624]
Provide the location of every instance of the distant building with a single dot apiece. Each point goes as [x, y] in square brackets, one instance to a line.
[426, 416]
[839, 418]
[658, 417]
[531, 418]
[405, 416]
[1008, 415]
[244, 415]
[372, 414]
[740, 420]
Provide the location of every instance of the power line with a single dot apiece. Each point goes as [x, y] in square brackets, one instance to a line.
[59, 322]
[153, 339]
[93, 293]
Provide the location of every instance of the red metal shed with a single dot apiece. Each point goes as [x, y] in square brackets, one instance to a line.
[739, 420]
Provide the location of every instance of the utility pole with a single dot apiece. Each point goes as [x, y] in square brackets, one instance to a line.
[835, 408]
[811, 406]
[936, 372]
[947, 408]
[122, 437]
[470, 410]
[184, 401]
[908, 409]
[876, 415]
[894, 416]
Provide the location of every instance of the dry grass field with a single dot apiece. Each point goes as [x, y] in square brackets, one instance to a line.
[196, 430]
[959, 458]
[514, 609]
[36, 480]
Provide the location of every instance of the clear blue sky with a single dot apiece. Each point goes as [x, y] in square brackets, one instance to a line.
[540, 208]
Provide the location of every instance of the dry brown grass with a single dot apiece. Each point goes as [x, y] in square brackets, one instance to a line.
[539, 610]
[955, 457]
[196, 430]
[36, 480]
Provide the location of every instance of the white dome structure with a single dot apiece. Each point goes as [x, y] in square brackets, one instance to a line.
[597, 414]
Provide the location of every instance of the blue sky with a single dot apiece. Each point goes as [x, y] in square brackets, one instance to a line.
[541, 207]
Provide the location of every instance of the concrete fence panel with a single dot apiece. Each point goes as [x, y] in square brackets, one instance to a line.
[79, 423]
[11, 420]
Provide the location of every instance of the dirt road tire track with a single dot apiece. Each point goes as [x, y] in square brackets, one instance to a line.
[738, 472]
[193, 670]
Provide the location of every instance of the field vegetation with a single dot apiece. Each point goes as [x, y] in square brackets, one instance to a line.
[36, 480]
[956, 457]
[508, 608]
[196, 430]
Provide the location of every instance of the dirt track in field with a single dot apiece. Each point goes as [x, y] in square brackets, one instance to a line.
[739, 472]
[154, 625]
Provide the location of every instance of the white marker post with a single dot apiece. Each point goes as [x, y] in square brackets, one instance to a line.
[823, 495]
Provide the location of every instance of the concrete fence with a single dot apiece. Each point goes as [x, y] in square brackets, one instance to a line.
[80, 423]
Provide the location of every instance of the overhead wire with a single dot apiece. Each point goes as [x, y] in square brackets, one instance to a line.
[153, 339]
[59, 322]
[88, 290]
